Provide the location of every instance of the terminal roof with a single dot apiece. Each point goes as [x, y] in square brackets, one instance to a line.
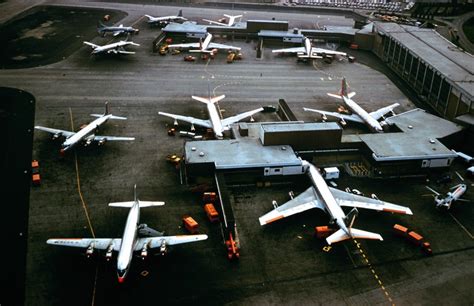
[418, 139]
[455, 64]
[239, 153]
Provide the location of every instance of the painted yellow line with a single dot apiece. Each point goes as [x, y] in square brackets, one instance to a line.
[84, 206]
[374, 273]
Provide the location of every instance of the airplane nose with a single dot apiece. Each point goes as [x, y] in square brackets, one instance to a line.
[121, 279]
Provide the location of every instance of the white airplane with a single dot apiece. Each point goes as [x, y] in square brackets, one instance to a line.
[205, 46]
[308, 51]
[86, 134]
[358, 113]
[166, 19]
[131, 241]
[452, 196]
[230, 21]
[214, 122]
[113, 48]
[103, 29]
[330, 200]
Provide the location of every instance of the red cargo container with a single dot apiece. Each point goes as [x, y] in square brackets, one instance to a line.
[323, 231]
[211, 212]
[190, 224]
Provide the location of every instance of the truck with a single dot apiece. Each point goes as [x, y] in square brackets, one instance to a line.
[230, 57]
[413, 237]
[190, 224]
[331, 173]
[211, 212]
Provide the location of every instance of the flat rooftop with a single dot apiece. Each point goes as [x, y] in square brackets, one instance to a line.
[436, 51]
[290, 127]
[186, 27]
[286, 34]
[239, 153]
[418, 139]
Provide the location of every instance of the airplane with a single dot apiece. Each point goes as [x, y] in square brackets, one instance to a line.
[166, 19]
[455, 194]
[229, 23]
[114, 48]
[86, 134]
[135, 238]
[309, 52]
[205, 46]
[214, 122]
[330, 200]
[103, 30]
[358, 113]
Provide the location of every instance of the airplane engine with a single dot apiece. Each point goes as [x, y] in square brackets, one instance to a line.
[144, 252]
[193, 128]
[102, 142]
[175, 122]
[90, 250]
[108, 254]
[342, 122]
[323, 117]
[163, 248]
[88, 140]
[55, 136]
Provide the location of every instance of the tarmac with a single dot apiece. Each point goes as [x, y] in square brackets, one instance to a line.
[279, 264]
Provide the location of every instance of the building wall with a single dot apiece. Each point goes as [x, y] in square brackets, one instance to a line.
[432, 87]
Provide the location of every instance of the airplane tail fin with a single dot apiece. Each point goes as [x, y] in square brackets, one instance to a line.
[107, 112]
[135, 200]
[344, 89]
[208, 100]
[180, 14]
[341, 235]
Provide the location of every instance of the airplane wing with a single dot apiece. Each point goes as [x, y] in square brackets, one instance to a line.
[125, 52]
[380, 112]
[113, 138]
[352, 200]
[327, 51]
[156, 242]
[214, 22]
[228, 121]
[352, 117]
[304, 201]
[55, 131]
[188, 45]
[221, 46]
[91, 44]
[140, 203]
[290, 50]
[100, 244]
[192, 120]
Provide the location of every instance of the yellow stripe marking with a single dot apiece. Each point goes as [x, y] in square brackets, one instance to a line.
[373, 272]
[84, 206]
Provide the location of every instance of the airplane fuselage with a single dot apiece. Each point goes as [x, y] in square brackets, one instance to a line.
[129, 239]
[110, 46]
[373, 124]
[325, 196]
[307, 46]
[215, 120]
[83, 133]
[118, 29]
[165, 19]
[451, 196]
